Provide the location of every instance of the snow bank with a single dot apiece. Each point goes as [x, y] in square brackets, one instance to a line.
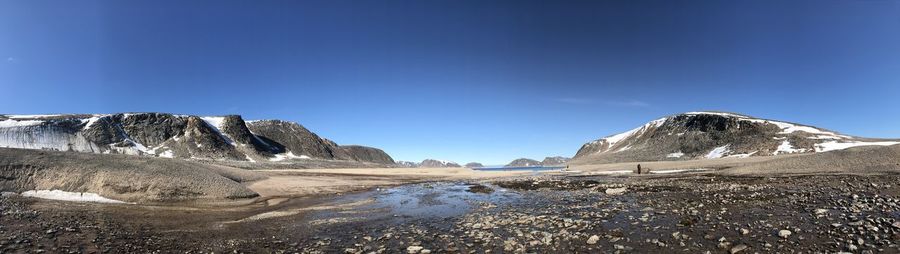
[834, 145]
[70, 196]
[786, 147]
[671, 171]
[718, 152]
[675, 155]
[29, 116]
[287, 155]
[167, 154]
[10, 123]
[742, 155]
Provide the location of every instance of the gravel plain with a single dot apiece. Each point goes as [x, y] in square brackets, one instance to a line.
[678, 213]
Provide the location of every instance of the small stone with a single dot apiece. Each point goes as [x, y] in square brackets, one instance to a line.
[737, 248]
[745, 231]
[821, 211]
[414, 249]
[593, 239]
[896, 224]
[616, 191]
[784, 233]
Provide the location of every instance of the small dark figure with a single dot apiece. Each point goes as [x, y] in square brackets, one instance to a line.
[639, 169]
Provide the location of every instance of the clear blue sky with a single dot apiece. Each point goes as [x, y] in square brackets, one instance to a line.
[486, 81]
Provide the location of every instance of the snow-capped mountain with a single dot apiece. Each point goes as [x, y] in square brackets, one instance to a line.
[431, 163]
[709, 135]
[177, 136]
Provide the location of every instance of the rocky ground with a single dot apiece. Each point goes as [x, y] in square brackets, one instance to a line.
[691, 213]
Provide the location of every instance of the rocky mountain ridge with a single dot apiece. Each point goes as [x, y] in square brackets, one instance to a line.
[710, 135]
[523, 162]
[555, 161]
[178, 136]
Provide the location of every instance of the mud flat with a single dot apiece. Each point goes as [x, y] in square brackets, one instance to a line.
[686, 212]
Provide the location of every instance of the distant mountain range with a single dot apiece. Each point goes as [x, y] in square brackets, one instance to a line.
[429, 163]
[474, 165]
[523, 162]
[710, 135]
[548, 161]
[227, 138]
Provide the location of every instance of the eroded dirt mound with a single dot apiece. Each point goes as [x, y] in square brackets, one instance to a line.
[126, 178]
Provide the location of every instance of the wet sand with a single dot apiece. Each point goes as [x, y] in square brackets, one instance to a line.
[303, 182]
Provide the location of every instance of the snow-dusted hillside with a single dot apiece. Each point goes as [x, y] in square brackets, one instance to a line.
[407, 164]
[709, 135]
[176, 136]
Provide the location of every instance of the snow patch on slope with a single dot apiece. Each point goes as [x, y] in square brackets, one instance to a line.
[675, 155]
[742, 155]
[288, 155]
[29, 116]
[10, 123]
[834, 145]
[785, 148]
[718, 152]
[167, 154]
[217, 123]
[70, 196]
[612, 140]
[90, 121]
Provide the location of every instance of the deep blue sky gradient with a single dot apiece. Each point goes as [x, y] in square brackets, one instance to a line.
[486, 81]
